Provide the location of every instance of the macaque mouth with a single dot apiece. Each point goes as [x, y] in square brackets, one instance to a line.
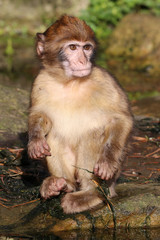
[84, 68]
[81, 72]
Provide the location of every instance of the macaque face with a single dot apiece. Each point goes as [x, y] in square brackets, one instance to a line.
[75, 57]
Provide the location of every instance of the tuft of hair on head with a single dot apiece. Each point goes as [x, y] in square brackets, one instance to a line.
[69, 28]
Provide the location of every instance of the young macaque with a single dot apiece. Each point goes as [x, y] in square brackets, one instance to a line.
[79, 117]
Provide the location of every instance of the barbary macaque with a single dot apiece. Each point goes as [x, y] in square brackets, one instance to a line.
[79, 117]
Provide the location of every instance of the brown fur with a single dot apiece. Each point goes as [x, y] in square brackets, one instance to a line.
[78, 123]
[69, 28]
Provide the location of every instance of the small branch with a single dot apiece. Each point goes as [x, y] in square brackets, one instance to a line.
[3, 199]
[21, 204]
[3, 205]
[109, 204]
[141, 139]
[148, 155]
[83, 169]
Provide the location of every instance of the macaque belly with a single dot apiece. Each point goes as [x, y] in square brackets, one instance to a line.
[62, 159]
[72, 126]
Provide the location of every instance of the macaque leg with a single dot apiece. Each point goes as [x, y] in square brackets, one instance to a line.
[87, 197]
[112, 184]
[62, 174]
[81, 201]
[108, 166]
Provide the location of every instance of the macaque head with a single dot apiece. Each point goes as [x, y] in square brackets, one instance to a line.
[70, 43]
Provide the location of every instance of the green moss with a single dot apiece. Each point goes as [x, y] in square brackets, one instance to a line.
[104, 15]
[140, 95]
[17, 41]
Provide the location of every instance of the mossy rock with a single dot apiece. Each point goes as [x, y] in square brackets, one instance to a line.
[137, 39]
[138, 205]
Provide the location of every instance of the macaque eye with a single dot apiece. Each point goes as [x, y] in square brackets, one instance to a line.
[72, 47]
[87, 47]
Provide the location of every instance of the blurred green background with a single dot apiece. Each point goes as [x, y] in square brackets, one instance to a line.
[17, 16]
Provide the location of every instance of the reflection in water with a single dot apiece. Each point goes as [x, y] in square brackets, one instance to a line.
[18, 66]
[119, 234]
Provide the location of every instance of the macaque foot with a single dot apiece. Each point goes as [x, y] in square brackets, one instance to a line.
[104, 171]
[80, 201]
[52, 186]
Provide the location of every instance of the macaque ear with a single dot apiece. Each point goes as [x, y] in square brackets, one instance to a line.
[40, 44]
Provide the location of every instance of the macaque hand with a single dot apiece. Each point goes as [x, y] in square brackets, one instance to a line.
[38, 149]
[105, 170]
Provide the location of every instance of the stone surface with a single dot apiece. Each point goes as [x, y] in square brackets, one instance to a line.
[147, 107]
[138, 205]
[14, 104]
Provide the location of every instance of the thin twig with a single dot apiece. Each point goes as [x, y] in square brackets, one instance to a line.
[83, 169]
[3, 205]
[148, 155]
[21, 204]
[141, 139]
[3, 199]
[13, 150]
[154, 169]
[109, 203]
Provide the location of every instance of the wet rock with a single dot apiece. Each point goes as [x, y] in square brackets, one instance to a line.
[147, 107]
[14, 103]
[136, 206]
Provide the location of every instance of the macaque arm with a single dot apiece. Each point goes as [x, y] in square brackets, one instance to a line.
[113, 151]
[39, 126]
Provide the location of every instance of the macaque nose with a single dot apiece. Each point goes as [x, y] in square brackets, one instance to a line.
[82, 58]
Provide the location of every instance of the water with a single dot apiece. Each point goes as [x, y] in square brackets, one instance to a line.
[120, 234]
